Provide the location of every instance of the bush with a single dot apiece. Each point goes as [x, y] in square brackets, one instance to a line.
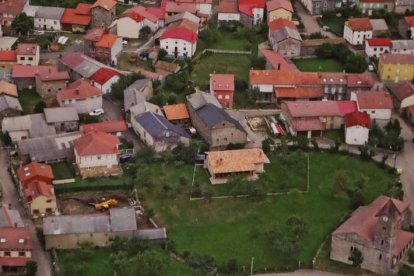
[162, 54]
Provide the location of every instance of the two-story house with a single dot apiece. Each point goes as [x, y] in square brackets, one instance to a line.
[9, 10]
[16, 247]
[213, 123]
[96, 154]
[28, 54]
[357, 30]
[252, 11]
[179, 42]
[48, 18]
[48, 84]
[375, 47]
[279, 9]
[378, 104]
[103, 13]
[396, 67]
[222, 86]
[104, 78]
[131, 21]
[78, 19]
[63, 119]
[370, 6]
[228, 11]
[81, 95]
[284, 37]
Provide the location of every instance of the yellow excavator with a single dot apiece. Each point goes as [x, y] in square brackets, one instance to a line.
[106, 204]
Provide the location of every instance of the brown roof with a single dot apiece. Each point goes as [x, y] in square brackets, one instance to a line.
[359, 24]
[8, 88]
[396, 59]
[33, 170]
[106, 4]
[300, 109]
[404, 90]
[27, 71]
[374, 100]
[364, 219]
[188, 24]
[176, 112]
[307, 124]
[299, 92]
[230, 161]
[15, 239]
[27, 48]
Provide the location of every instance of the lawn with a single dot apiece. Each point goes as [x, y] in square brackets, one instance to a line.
[231, 41]
[318, 65]
[233, 228]
[221, 64]
[28, 100]
[336, 24]
[63, 170]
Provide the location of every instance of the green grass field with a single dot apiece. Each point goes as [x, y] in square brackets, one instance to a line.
[63, 170]
[28, 100]
[318, 65]
[336, 24]
[233, 228]
[220, 64]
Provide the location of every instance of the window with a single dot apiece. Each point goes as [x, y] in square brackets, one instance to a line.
[30, 58]
[166, 47]
[382, 242]
[380, 257]
[22, 58]
[98, 157]
[49, 200]
[7, 253]
[2, 240]
[22, 253]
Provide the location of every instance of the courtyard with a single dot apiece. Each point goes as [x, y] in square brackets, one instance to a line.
[318, 65]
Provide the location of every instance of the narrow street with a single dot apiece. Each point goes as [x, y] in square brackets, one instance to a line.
[41, 257]
[310, 23]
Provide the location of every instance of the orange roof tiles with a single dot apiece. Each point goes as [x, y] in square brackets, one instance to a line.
[138, 13]
[103, 75]
[299, 92]
[277, 77]
[277, 61]
[374, 100]
[8, 88]
[79, 89]
[12, 236]
[27, 48]
[33, 170]
[185, 23]
[70, 16]
[27, 71]
[96, 143]
[106, 126]
[83, 9]
[107, 41]
[222, 82]
[357, 119]
[35, 189]
[282, 23]
[106, 4]
[359, 24]
[8, 55]
[176, 112]
[231, 161]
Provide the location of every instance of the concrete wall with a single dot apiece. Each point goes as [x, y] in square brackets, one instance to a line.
[83, 106]
[356, 135]
[47, 24]
[106, 87]
[40, 204]
[184, 48]
[91, 161]
[228, 17]
[49, 89]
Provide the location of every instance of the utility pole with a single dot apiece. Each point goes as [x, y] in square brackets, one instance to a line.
[251, 266]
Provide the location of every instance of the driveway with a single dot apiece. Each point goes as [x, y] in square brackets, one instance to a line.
[10, 197]
[310, 22]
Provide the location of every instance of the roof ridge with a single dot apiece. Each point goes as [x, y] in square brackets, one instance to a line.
[153, 114]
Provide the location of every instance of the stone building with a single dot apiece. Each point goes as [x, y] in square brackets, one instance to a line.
[103, 13]
[378, 232]
[48, 84]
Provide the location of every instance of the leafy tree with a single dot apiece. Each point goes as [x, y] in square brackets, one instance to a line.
[267, 144]
[162, 54]
[340, 182]
[145, 155]
[356, 64]
[357, 198]
[324, 51]
[149, 213]
[177, 82]
[356, 257]
[235, 146]
[22, 24]
[7, 139]
[39, 107]
[31, 268]
[145, 32]
[186, 154]
[117, 89]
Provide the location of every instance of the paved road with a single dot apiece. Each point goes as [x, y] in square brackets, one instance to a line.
[10, 196]
[310, 23]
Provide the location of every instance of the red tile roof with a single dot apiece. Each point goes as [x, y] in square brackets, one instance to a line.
[356, 80]
[106, 4]
[364, 219]
[185, 23]
[14, 261]
[27, 48]
[359, 24]
[176, 112]
[247, 6]
[277, 60]
[409, 20]
[107, 41]
[174, 7]
[35, 189]
[139, 13]
[27, 71]
[277, 77]
[94, 34]
[54, 76]
[346, 107]
[396, 59]
[228, 6]
[374, 100]
[281, 23]
[379, 42]
[96, 143]
[8, 55]
[83, 9]
[79, 89]
[33, 170]
[103, 75]
[299, 92]
[71, 17]
[180, 33]
[279, 4]
[307, 124]
[107, 127]
[16, 239]
[222, 82]
[12, 7]
[404, 90]
[302, 109]
[159, 13]
[357, 119]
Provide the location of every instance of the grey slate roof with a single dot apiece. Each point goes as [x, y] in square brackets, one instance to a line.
[61, 114]
[157, 125]
[379, 25]
[118, 220]
[50, 148]
[285, 33]
[7, 102]
[10, 218]
[402, 44]
[34, 123]
[49, 13]
[76, 224]
[133, 94]
[211, 115]
[199, 99]
[152, 234]
[123, 219]
[144, 107]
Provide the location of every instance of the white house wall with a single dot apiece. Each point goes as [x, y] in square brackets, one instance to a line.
[357, 37]
[83, 106]
[90, 161]
[47, 24]
[106, 87]
[229, 17]
[356, 135]
[183, 46]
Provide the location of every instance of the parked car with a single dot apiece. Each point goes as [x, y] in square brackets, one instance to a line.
[126, 157]
[371, 67]
[97, 112]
